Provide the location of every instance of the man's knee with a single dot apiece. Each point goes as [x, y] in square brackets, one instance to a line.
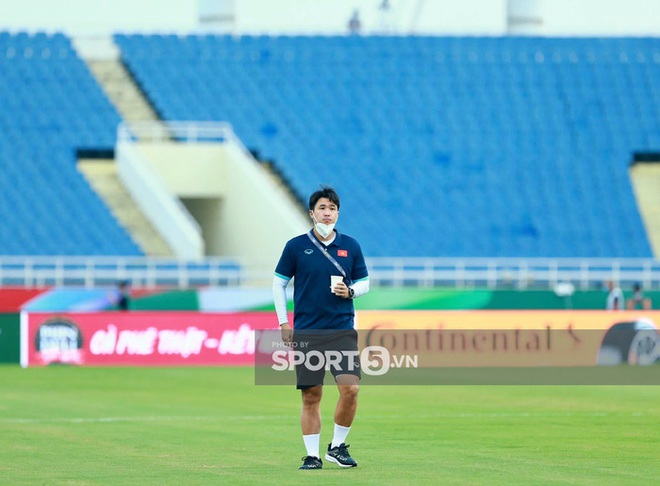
[349, 392]
[312, 396]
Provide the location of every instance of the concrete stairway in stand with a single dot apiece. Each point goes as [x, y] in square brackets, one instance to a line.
[102, 58]
[646, 181]
[102, 176]
[120, 88]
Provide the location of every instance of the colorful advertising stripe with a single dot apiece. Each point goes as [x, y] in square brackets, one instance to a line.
[140, 338]
[12, 299]
[421, 339]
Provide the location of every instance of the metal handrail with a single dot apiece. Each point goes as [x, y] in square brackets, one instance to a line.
[514, 272]
[150, 272]
[159, 131]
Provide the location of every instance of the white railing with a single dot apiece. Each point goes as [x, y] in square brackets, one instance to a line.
[160, 131]
[513, 272]
[183, 131]
[91, 272]
[40, 271]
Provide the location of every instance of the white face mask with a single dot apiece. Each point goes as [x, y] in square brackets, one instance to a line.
[323, 229]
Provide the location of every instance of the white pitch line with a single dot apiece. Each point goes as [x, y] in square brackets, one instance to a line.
[258, 418]
[157, 418]
[466, 415]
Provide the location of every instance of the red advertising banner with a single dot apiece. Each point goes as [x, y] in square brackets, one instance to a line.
[140, 338]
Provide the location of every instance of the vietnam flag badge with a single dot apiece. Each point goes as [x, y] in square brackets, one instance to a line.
[342, 253]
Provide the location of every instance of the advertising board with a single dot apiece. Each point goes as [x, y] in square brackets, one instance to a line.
[140, 338]
[441, 341]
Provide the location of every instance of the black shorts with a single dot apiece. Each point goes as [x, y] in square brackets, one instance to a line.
[321, 350]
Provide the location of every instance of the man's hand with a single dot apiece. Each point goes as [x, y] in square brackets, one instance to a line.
[341, 290]
[287, 334]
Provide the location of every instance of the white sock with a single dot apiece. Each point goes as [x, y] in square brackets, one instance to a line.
[339, 438]
[312, 444]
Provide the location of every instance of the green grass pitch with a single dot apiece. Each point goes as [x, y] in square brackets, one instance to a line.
[197, 426]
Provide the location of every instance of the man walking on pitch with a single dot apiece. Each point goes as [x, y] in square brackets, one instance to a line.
[330, 272]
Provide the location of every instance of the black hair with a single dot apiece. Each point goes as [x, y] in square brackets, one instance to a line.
[326, 192]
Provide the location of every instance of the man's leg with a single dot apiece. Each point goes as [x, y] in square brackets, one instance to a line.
[310, 419]
[348, 386]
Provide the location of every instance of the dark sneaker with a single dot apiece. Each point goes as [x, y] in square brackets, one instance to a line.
[311, 462]
[340, 456]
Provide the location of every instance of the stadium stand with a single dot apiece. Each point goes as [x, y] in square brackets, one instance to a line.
[439, 146]
[500, 147]
[51, 108]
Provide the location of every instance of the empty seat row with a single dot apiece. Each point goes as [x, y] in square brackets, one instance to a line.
[401, 124]
[51, 107]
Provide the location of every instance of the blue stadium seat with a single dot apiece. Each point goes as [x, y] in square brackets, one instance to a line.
[439, 145]
[51, 107]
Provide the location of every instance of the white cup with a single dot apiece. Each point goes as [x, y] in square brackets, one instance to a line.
[334, 280]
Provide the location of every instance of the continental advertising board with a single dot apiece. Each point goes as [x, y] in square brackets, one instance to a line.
[480, 347]
[396, 347]
[517, 338]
